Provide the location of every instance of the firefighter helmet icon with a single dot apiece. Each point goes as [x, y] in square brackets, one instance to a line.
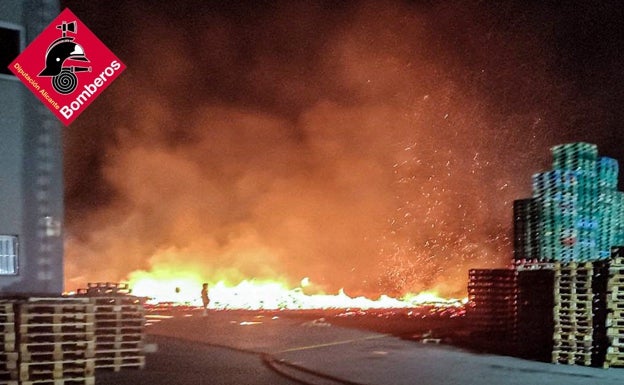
[64, 49]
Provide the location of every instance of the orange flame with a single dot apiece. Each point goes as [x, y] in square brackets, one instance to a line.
[184, 288]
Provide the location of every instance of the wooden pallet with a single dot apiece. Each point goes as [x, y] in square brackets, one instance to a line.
[118, 363]
[614, 361]
[52, 347]
[561, 298]
[8, 361]
[615, 305]
[565, 331]
[7, 341]
[615, 350]
[616, 280]
[571, 358]
[571, 345]
[122, 330]
[119, 315]
[55, 308]
[48, 370]
[616, 269]
[86, 380]
[615, 296]
[117, 309]
[7, 318]
[7, 307]
[573, 292]
[120, 345]
[582, 312]
[577, 323]
[114, 337]
[122, 353]
[55, 328]
[117, 300]
[7, 327]
[57, 355]
[573, 268]
[616, 339]
[57, 318]
[617, 323]
[573, 337]
[80, 336]
[122, 323]
[585, 306]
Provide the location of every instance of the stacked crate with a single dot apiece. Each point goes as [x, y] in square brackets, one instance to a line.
[615, 305]
[600, 311]
[492, 295]
[576, 217]
[534, 319]
[573, 314]
[55, 341]
[8, 364]
[119, 326]
[555, 193]
[526, 229]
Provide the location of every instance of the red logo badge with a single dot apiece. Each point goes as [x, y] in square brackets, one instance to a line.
[67, 67]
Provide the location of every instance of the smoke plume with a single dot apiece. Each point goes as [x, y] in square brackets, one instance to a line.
[375, 146]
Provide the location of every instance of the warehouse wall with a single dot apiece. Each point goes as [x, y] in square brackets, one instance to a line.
[31, 184]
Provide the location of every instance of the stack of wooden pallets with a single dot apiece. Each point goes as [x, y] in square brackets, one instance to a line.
[119, 326]
[573, 314]
[55, 341]
[9, 357]
[535, 301]
[492, 295]
[119, 332]
[615, 315]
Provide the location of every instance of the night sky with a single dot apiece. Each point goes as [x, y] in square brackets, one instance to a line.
[376, 146]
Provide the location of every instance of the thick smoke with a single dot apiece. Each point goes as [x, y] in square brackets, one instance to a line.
[375, 146]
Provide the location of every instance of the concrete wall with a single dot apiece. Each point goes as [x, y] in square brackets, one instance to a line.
[31, 175]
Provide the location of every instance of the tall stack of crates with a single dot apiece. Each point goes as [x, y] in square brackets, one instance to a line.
[577, 214]
[615, 306]
[534, 316]
[492, 295]
[526, 229]
[574, 217]
[119, 326]
[9, 357]
[573, 314]
[55, 341]
[510, 310]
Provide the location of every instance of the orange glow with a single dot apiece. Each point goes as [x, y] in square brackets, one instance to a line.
[184, 289]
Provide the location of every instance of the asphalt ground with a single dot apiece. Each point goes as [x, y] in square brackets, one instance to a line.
[253, 347]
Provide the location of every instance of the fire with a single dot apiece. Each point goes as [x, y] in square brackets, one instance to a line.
[184, 289]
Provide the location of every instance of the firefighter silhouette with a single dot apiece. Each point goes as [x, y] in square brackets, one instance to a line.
[62, 49]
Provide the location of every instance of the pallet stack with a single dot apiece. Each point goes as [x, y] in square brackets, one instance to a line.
[526, 229]
[492, 296]
[576, 215]
[9, 357]
[534, 315]
[119, 326]
[615, 305]
[55, 341]
[573, 314]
